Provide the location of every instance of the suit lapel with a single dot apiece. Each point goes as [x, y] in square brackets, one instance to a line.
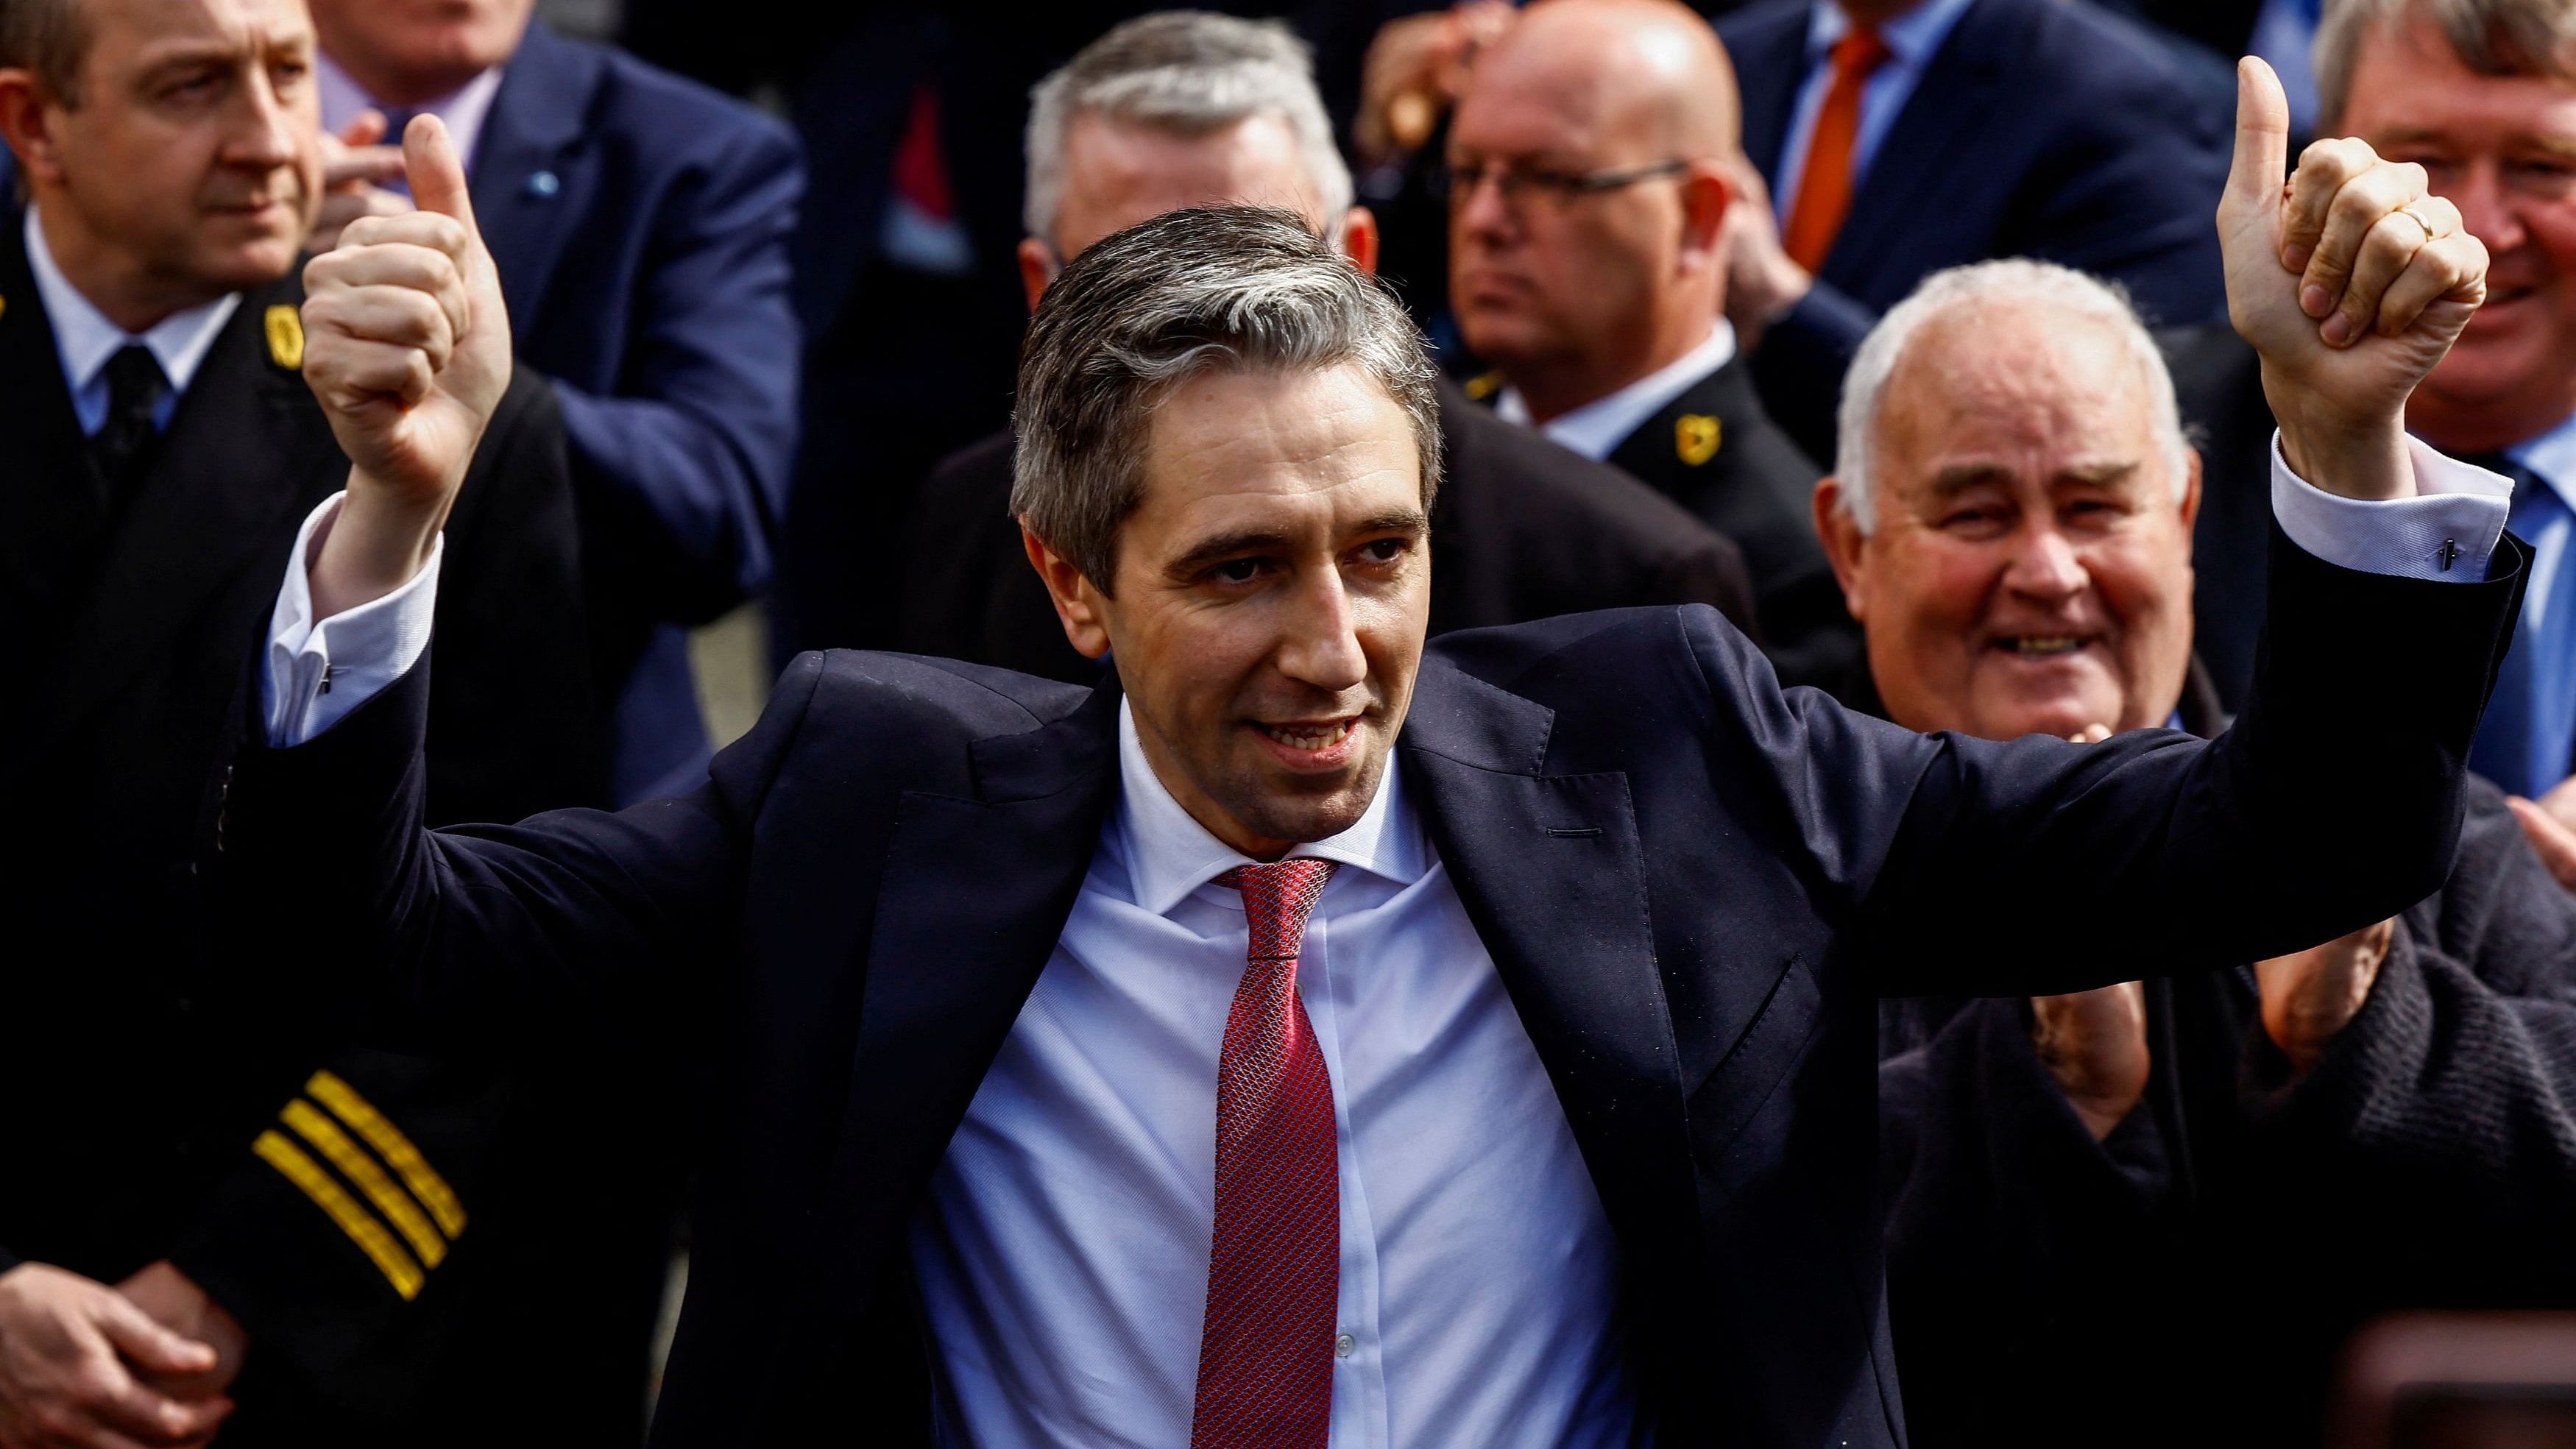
[245, 449]
[531, 168]
[1961, 86]
[1552, 875]
[1770, 69]
[45, 447]
[975, 895]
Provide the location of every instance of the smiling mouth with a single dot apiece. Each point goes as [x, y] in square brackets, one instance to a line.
[1321, 736]
[2041, 646]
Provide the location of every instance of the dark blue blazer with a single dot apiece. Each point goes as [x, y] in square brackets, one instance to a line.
[1693, 884]
[640, 223]
[2039, 129]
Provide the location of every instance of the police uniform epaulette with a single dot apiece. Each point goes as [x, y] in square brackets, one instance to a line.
[1483, 387]
[414, 1219]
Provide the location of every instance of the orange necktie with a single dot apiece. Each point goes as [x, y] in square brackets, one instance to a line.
[1824, 190]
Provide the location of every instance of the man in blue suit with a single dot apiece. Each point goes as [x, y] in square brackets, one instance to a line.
[641, 225]
[1898, 137]
[1307, 1036]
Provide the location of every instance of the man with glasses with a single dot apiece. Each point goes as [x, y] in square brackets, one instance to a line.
[1588, 180]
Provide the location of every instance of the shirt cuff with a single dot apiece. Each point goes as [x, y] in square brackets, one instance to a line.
[2446, 533]
[315, 671]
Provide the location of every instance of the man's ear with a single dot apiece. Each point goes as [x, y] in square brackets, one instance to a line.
[1078, 606]
[1037, 268]
[23, 127]
[2190, 490]
[1707, 191]
[1360, 239]
[1846, 547]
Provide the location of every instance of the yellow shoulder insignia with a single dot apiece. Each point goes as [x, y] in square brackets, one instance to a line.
[1695, 437]
[1482, 389]
[286, 337]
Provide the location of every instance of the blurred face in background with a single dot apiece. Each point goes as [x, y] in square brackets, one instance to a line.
[187, 164]
[2030, 568]
[411, 52]
[1117, 175]
[2503, 150]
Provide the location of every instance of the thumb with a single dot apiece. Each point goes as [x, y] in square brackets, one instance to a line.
[147, 1344]
[2262, 136]
[437, 173]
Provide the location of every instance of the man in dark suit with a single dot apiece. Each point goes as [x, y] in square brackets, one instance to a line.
[989, 1090]
[1524, 529]
[1588, 166]
[641, 224]
[2086, 1193]
[163, 452]
[1898, 137]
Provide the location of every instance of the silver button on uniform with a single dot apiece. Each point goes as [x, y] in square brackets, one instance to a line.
[1342, 1346]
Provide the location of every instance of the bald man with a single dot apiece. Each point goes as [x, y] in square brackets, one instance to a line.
[1589, 169]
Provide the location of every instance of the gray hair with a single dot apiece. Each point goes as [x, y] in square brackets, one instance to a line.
[2491, 37]
[1189, 73]
[2014, 280]
[48, 37]
[1240, 287]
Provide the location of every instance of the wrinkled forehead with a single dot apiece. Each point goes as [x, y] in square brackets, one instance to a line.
[125, 35]
[2021, 383]
[1299, 453]
[1121, 173]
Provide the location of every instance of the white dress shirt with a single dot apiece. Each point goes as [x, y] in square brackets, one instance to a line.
[85, 340]
[1912, 40]
[1062, 1248]
[1601, 425]
[343, 98]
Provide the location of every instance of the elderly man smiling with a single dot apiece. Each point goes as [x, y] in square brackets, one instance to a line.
[2013, 528]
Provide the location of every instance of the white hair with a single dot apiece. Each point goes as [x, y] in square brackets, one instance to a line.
[1190, 73]
[2014, 281]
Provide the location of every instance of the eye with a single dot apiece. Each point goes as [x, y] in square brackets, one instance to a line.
[1235, 571]
[1384, 550]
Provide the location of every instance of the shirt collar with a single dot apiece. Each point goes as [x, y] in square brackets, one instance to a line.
[2552, 456]
[84, 338]
[1598, 427]
[1169, 855]
[1911, 38]
[343, 98]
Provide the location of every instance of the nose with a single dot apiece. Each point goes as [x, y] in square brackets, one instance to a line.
[1320, 640]
[267, 132]
[2045, 566]
[2485, 208]
[1477, 203]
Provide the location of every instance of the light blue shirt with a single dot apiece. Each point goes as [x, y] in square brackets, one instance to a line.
[85, 340]
[1912, 40]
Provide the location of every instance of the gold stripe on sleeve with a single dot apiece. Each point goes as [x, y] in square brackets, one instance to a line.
[361, 1170]
[336, 1204]
[393, 1147]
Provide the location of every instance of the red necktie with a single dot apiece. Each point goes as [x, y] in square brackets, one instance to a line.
[1275, 1261]
[1825, 188]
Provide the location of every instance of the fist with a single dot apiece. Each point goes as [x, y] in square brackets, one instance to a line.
[2311, 996]
[2351, 281]
[2094, 1043]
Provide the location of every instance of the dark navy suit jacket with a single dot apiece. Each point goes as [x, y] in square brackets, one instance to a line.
[640, 223]
[1694, 885]
[2039, 129]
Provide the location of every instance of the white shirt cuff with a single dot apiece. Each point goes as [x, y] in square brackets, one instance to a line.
[2447, 533]
[314, 672]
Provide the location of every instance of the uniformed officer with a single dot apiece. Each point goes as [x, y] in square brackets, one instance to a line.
[1586, 266]
[165, 1127]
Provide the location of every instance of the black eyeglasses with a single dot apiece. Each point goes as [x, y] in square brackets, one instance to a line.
[1458, 183]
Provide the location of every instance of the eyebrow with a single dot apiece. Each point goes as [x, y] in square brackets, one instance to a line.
[1952, 481]
[1408, 521]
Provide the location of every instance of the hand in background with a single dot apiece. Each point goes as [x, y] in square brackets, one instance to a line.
[70, 1354]
[2550, 824]
[2094, 1043]
[1415, 70]
[2351, 281]
[354, 166]
[407, 345]
[1761, 280]
[2311, 996]
[173, 1300]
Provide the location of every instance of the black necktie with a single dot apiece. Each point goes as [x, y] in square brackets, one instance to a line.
[135, 388]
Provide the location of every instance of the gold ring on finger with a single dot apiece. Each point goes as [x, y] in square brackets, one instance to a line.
[2409, 212]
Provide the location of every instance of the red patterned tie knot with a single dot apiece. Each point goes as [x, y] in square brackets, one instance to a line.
[1277, 899]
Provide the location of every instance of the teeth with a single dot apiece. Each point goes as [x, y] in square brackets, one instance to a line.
[2029, 645]
[1314, 737]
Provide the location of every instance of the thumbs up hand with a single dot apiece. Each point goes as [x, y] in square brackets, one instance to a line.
[2351, 281]
[407, 345]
